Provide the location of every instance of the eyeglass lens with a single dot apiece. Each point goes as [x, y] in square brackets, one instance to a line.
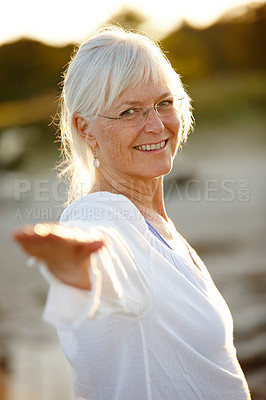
[139, 115]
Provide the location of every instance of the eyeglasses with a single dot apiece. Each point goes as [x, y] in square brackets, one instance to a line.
[137, 115]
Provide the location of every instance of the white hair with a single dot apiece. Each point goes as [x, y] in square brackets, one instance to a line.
[106, 64]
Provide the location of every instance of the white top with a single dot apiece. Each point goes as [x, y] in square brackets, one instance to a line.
[154, 326]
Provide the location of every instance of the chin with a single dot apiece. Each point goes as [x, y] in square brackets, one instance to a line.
[164, 170]
[159, 172]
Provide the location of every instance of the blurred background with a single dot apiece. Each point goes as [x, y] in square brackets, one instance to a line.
[216, 193]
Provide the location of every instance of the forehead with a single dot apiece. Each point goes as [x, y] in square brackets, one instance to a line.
[144, 92]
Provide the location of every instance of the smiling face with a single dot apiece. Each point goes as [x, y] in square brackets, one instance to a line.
[140, 152]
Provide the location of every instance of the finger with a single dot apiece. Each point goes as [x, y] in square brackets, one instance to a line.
[48, 230]
[85, 249]
[39, 240]
[29, 231]
[21, 233]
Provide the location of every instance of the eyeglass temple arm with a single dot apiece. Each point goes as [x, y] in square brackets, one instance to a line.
[104, 116]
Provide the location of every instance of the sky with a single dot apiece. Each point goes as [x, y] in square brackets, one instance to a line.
[60, 22]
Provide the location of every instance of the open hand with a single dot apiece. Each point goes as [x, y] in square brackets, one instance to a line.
[65, 250]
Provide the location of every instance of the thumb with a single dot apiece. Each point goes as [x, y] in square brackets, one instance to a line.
[85, 249]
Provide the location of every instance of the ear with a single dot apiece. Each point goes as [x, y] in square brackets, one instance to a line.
[83, 129]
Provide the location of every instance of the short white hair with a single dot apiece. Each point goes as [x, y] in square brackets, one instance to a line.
[106, 64]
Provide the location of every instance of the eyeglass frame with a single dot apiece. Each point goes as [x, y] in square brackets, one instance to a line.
[144, 111]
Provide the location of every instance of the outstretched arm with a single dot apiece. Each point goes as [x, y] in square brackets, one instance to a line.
[65, 250]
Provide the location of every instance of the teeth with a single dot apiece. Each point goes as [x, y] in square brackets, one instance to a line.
[147, 147]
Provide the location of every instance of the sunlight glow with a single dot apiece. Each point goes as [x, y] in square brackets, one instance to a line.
[59, 22]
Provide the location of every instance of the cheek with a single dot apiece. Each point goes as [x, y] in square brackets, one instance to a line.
[113, 148]
[174, 125]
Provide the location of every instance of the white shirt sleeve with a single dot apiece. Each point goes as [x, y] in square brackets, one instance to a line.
[120, 281]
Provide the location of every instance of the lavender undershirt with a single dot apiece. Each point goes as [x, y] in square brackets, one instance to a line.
[156, 233]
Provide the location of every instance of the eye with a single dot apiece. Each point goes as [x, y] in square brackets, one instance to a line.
[166, 103]
[128, 114]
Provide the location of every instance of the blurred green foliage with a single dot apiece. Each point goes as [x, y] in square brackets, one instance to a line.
[233, 45]
[128, 18]
[29, 67]
[222, 65]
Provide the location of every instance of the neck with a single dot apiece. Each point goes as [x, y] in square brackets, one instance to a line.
[145, 194]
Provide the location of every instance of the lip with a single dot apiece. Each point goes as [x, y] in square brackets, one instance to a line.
[150, 144]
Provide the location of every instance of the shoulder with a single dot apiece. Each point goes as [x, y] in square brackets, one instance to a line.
[113, 218]
[106, 209]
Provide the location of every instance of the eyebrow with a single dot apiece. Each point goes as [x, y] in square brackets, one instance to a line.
[137, 102]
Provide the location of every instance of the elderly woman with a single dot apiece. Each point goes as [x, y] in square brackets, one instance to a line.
[137, 313]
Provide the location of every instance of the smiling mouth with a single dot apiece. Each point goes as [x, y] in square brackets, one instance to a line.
[149, 147]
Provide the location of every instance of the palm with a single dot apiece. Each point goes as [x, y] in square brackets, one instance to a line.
[65, 250]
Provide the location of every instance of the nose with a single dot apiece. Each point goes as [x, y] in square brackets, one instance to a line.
[153, 122]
